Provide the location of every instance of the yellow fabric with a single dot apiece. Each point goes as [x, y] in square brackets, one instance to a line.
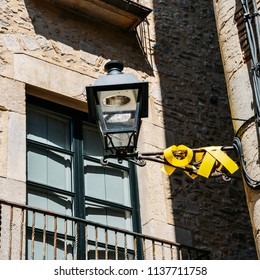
[209, 157]
[168, 169]
[169, 155]
[206, 165]
[223, 158]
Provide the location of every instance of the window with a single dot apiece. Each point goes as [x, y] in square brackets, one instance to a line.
[64, 175]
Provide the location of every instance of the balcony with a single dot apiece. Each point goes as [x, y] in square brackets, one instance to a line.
[30, 233]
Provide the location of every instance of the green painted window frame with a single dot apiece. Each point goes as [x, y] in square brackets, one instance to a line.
[76, 152]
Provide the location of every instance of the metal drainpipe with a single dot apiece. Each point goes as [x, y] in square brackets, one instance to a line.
[240, 95]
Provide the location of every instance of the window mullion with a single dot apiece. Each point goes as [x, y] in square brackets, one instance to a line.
[79, 183]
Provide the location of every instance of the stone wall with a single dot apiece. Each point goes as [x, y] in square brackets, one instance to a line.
[192, 107]
[179, 55]
[236, 54]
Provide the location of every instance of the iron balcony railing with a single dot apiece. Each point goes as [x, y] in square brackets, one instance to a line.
[31, 233]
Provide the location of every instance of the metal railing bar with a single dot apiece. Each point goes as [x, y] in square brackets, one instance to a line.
[97, 225]
[163, 255]
[135, 247]
[144, 248]
[33, 235]
[44, 237]
[116, 245]
[21, 234]
[106, 244]
[65, 238]
[96, 242]
[55, 239]
[76, 242]
[153, 248]
[180, 253]
[86, 241]
[10, 233]
[89, 242]
[75, 219]
[189, 255]
[125, 247]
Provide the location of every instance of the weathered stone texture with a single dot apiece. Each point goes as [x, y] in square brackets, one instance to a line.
[3, 142]
[188, 105]
[235, 53]
[192, 104]
[12, 96]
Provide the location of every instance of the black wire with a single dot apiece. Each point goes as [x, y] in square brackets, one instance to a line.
[254, 45]
[253, 184]
[253, 35]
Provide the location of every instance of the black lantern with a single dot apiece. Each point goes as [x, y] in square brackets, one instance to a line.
[117, 102]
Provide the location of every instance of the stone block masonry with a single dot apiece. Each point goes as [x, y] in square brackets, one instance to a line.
[58, 53]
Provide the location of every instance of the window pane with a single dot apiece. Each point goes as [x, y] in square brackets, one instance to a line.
[49, 168]
[94, 180]
[58, 132]
[107, 183]
[117, 186]
[37, 162]
[36, 125]
[48, 128]
[59, 170]
[93, 145]
[64, 250]
[92, 142]
[54, 202]
[109, 216]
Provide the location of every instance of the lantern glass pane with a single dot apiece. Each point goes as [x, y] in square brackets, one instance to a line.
[120, 140]
[118, 108]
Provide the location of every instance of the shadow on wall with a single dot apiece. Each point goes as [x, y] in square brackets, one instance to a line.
[211, 214]
[196, 111]
[65, 30]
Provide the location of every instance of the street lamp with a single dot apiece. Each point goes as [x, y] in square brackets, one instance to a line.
[117, 102]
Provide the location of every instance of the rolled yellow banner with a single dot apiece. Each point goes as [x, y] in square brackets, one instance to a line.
[209, 158]
[215, 154]
[170, 152]
[169, 155]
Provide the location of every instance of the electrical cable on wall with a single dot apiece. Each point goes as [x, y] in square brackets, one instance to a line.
[253, 35]
[253, 184]
[254, 45]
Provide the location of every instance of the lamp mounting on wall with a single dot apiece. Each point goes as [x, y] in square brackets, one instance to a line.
[117, 102]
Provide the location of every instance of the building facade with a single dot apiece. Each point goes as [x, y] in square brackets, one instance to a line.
[239, 45]
[57, 200]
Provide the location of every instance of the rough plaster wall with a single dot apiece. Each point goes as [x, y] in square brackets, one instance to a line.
[188, 105]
